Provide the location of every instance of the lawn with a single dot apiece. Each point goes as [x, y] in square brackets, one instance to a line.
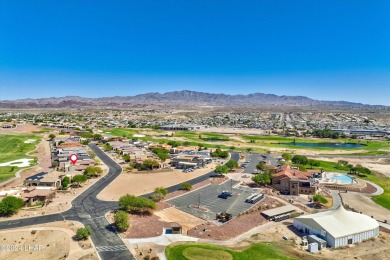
[384, 182]
[12, 147]
[195, 251]
[280, 141]
[123, 132]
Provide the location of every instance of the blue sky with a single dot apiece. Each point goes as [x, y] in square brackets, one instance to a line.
[328, 50]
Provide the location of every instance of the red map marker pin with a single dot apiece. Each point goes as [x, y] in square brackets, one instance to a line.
[74, 158]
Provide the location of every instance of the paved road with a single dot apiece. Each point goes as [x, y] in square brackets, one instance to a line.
[89, 210]
[253, 159]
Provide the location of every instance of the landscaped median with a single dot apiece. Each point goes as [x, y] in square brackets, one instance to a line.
[207, 252]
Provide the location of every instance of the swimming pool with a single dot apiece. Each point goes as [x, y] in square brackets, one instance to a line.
[339, 178]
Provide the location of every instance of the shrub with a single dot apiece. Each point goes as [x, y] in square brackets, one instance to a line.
[83, 233]
[300, 159]
[10, 205]
[219, 153]
[138, 204]
[231, 164]
[79, 179]
[186, 186]
[65, 182]
[157, 196]
[221, 169]
[121, 220]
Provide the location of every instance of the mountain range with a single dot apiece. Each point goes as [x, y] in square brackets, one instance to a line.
[185, 98]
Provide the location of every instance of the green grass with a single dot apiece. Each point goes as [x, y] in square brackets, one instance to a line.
[123, 132]
[12, 147]
[384, 182]
[7, 172]
[280, 141]
[43, 131]
[195, 251]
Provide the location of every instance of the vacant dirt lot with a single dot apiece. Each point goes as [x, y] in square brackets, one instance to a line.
[142, 183]
[49, 241]
[25, 129]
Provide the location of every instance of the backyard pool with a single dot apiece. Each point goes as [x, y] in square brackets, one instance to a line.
[339, 178]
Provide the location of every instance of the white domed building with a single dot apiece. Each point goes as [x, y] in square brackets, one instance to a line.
[338, 227]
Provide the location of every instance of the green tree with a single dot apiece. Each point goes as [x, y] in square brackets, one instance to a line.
[79, 179]
[148, 164]
[221, 169]
[313, 163]
[107, 148]
[161, 153]
[343, 162]
[286, 156]
[186, 143]
[159, 194]
[65, 182]
[97, 137]
[161, 190]
[232, 164]
[299, 159]
[52, 136]
[136, 204]
[260, 166]
[121, 219]
[93, 171]
[83, 233]
[318, 199]
[10, 205]
[219, 153]
[186, 186]
[262, 179]
[126, 158]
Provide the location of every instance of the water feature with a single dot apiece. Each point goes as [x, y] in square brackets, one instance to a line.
[327, 145]
[337, 178]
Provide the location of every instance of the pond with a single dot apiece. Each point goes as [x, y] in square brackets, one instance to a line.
[215, 139]
[328, 145]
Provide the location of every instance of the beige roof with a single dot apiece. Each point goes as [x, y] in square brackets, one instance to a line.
[35, 192]
[339, 222]
[278, 211]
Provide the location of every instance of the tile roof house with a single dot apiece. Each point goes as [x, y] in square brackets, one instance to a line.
[292, 181]
[33, 195]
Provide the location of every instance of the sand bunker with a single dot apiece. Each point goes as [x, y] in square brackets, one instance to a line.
[30, 141]
[18, 163]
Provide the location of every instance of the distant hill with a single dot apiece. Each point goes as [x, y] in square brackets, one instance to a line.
[184, 99]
